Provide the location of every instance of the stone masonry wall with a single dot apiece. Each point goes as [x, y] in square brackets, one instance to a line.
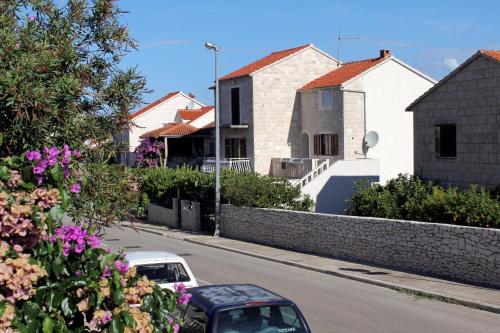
[471, 100]
[455, 252]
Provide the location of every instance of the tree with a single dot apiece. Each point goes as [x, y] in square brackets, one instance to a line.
[61, 82]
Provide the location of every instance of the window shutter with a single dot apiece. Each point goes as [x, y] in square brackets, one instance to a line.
[317, 145]
[335, 144]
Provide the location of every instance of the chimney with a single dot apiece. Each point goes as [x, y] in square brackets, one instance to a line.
[385, 53]
[191, 95]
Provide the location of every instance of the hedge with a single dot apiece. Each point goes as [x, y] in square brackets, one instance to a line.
[409, 198]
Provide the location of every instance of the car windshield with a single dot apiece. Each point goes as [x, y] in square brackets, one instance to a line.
[260, 319]
[164, 272]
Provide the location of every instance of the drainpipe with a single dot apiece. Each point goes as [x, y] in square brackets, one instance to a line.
[364, 112]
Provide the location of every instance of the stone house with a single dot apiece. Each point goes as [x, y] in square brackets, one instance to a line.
[152, 117]
[457, 125]
[259, 105]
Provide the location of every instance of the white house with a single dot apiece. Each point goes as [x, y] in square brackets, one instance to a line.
[151, 117]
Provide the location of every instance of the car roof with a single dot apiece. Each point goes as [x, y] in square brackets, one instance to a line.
[232, 294]
[144, 256]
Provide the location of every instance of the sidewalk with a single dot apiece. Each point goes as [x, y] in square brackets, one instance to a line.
[483, 298]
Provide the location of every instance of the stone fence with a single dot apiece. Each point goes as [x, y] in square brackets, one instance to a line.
[455, 252]
[189, 215]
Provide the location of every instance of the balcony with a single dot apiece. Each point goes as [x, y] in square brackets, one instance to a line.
[238, 164]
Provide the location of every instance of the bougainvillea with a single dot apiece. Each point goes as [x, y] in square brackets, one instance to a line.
[56, 278]
[149, 153]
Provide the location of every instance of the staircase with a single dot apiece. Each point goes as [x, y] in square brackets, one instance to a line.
[313, 174]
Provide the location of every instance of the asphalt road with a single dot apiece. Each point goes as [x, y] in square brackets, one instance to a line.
[330, 304]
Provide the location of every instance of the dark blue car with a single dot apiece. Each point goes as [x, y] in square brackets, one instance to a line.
[240, 308]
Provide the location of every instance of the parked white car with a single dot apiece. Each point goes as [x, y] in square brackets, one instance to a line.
[165, 268]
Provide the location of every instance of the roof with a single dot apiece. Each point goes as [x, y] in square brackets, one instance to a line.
[152, 105]
[493, 54]
[231, 294]
[264, 62]
[171, 129]
[344, 73]
[192, 114]
[210, 125]
[136, 256]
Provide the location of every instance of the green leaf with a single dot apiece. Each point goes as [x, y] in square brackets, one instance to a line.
[127, 318]
[118, 297]
[107, 258]
[116, 325]
[30, 311]
[54, 299]
[67, 307]
[2, 308]
[48, 325]
[4, 172]
[65, 199]
[1, 139]
[57, 173]
[56, 213]
[58, 267]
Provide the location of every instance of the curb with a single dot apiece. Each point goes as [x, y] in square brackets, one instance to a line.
[394, 286]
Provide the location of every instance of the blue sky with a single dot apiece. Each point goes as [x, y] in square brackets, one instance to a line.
[433, 36]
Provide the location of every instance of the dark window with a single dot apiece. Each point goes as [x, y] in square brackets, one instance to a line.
[326, 144]
[235, 148]
[446, 140]
[164, 273]
[235, 106]
[195, 319]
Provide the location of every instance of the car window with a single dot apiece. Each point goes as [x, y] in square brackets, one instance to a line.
[164, 272]
[261, 319]
[194, 319]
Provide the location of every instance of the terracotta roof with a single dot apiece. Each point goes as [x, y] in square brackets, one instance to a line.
[492, 53]
[261, 63]
[192, 114]
[344, 73]
[152, 105]
[172, 129]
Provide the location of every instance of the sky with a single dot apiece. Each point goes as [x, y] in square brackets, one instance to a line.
[432, 36]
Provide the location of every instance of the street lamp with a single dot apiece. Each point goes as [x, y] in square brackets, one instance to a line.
[215, 48]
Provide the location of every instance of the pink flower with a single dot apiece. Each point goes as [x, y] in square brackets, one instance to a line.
[106, 318]
[75, 188]
[18, 248]
[17, 46]
[76, 153]
[106, 272]
[93, 241]
[31, 18]
[33, 155]
[122, 267]
[176, 327]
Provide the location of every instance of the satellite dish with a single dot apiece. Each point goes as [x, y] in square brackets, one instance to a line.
[190, 105]
[371, 139]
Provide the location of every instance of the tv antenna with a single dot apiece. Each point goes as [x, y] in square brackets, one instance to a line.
[340, 38]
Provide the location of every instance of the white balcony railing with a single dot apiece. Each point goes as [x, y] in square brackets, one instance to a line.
[238, 164]
[314, 173]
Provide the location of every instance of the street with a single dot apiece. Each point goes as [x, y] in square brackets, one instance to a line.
[330, 304]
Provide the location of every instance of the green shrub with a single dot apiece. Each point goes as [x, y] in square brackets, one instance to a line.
[238, 188]
[408, 197]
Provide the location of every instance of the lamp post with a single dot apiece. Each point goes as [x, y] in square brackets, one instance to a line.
[215, 48]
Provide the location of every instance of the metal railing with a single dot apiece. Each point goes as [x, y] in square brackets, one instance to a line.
[322, 166]
[238, 164]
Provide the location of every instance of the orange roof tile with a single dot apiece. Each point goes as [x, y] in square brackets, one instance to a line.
[172, 129]
[263, 62]
[152, 105]
[344, 73]
[492, 53]
[192, 114]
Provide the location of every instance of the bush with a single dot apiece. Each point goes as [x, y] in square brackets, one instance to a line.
[242, 189]
[55, 278]
[407, 197]
[109, 194]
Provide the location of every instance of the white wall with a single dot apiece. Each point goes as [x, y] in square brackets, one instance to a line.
[335, 185]
[204, 120]
[390, 88]
[157, 117]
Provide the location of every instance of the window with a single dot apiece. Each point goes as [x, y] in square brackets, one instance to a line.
[274, 318]
[325, 99]
[326, 144]
[235, 106]
[446, 140]
[235, 148]
[164, 273]
[195, 319]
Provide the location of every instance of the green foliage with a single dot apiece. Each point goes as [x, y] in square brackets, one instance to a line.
[242, 189]
[407, 197]
[61, 82]
[109, 194]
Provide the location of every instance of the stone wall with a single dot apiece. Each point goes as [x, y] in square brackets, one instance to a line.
[190, 215]
[164, 216]
[471, 100]
[455, 252]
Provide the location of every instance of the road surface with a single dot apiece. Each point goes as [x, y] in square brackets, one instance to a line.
[330, 304]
